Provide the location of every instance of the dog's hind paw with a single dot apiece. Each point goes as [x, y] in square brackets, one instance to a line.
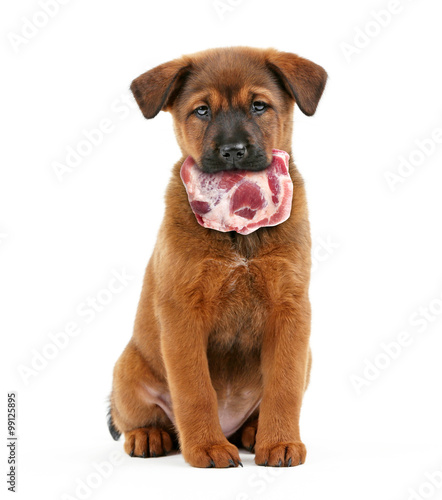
[248, 435]
[147, 442]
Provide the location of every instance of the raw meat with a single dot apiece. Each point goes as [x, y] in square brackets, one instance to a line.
[240, 200]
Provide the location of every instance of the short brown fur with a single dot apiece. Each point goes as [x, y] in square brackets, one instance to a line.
[223, 319]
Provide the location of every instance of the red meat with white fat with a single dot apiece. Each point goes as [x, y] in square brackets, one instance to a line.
[240, 200]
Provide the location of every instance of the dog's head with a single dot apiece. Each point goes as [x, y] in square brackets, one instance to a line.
[232, 106]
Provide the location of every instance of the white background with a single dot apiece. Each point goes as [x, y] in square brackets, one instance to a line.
[60, 241]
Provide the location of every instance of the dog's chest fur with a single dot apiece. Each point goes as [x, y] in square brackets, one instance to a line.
[240, 312]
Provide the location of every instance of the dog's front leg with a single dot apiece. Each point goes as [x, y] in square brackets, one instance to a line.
[284, 364]
[194, 401]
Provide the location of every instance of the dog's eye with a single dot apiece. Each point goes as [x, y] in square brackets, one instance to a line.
[202, 111]
[259, 107]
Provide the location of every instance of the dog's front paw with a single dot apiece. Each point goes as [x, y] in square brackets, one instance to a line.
[280, 454]
[218, 455]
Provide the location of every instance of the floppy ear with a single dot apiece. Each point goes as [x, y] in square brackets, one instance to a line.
[155, 90]
[301, 78]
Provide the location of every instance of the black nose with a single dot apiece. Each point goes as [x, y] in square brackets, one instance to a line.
[233, 153]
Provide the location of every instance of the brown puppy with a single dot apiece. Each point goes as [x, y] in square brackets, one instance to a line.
[221, 341]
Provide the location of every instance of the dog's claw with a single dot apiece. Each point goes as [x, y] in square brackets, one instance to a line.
[289, 463]
[154, 454]
[143, 454]
[231, 462]
[132, 453]
[279, 463]
[240, 463]
[212, 464]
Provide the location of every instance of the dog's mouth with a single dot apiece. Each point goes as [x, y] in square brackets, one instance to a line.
[240, 201]
[252, 159]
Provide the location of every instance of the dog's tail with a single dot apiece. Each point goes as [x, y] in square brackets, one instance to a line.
[114, 432]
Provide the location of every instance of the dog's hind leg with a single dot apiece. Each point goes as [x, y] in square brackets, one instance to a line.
[140, 407]
[248, 431]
